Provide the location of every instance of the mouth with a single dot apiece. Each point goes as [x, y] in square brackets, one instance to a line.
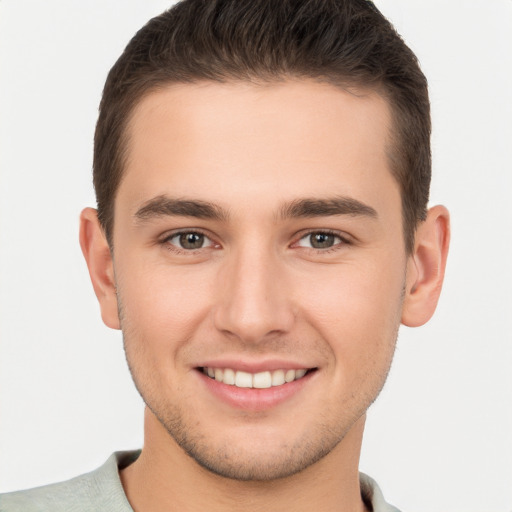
[260, 380]
[256, 387]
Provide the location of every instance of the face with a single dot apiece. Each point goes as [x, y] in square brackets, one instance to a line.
[260, 266]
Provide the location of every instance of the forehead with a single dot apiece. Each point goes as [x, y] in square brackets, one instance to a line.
[280, 139]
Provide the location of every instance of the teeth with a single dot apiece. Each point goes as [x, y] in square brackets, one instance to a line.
[278, 378]
[260, 380]
[289, 376]
[300, 373]
[229, 376]
[243, 380]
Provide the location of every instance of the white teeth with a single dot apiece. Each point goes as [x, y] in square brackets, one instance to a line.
[259, 380]
[289, 376]
[243, 380]
[278, 378]
[262, 380]
[229, 376]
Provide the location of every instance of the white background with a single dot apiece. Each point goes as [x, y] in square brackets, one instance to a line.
[440, 436]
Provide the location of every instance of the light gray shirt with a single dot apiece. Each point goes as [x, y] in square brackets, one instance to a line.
[101, 490]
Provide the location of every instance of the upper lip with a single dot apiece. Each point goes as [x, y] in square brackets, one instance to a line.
[267, 365]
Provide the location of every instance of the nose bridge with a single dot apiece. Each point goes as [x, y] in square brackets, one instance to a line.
[253, 302]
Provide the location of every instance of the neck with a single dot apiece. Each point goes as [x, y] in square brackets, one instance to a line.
[166, 478]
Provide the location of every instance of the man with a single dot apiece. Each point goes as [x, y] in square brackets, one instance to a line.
[262, 172]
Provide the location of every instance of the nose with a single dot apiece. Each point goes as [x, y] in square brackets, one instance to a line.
[254, 300]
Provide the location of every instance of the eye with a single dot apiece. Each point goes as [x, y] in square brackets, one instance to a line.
[320, 240]
[189, 240]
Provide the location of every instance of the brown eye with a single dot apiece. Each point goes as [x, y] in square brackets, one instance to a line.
[322, 240]
[191, 240]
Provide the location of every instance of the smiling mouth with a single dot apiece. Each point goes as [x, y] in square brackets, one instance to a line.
[260, 380]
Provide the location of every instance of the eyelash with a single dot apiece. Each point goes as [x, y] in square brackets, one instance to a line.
[343, 240]
[166, 241]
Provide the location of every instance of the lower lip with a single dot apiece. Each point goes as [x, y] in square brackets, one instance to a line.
[254, 399]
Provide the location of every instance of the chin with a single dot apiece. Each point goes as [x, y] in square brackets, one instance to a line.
[257, 465]
[252, 453]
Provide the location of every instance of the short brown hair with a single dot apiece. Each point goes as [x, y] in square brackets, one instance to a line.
[347, 43]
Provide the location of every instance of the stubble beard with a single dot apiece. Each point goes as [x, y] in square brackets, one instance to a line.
[235, 462]
[240, 462]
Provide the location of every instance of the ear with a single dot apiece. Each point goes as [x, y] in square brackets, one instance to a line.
[425, 268]
[101, 269]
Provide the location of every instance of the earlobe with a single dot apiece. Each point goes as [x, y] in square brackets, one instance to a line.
[97, 254]
[426, 266]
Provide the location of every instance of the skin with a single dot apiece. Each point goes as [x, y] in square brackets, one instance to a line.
[257, 292]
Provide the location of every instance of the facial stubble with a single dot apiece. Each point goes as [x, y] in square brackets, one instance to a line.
[238, 463]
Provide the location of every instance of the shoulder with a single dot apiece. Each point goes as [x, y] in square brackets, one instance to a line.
[372, 495]
[98, 490]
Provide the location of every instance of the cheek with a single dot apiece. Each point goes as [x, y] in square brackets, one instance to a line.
[356, 308]
[162, 303]
[161, 310]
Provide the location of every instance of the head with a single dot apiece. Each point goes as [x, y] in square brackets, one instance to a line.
[346, 43]
[262, 173]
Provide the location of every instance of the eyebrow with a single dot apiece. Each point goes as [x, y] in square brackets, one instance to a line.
[308, 208]
[162, 206]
